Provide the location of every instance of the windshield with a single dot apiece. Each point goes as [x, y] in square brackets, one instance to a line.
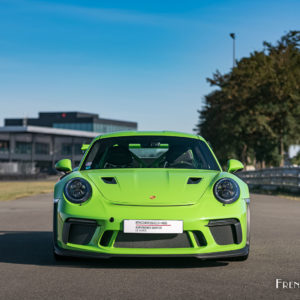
[149, 152]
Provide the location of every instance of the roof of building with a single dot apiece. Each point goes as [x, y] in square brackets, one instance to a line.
[78, 114]
[49, 130]
[49, 118]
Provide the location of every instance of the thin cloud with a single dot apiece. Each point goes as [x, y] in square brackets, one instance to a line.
[106, 15]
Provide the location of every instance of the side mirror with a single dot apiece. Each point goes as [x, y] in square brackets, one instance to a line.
[64, 165]
[84, 147]
[234, 165]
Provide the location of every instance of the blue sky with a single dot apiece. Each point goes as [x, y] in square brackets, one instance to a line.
[144, 61]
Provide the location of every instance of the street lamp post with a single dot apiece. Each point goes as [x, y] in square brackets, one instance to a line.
[232, 35]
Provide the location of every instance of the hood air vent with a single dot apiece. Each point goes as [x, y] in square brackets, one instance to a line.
[109, 180]
[194, 180]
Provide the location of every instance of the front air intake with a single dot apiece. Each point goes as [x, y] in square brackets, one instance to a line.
[109, 180]
[78, 231]
[140, 240]
[226, 231]
[194, 180]
[106, 238]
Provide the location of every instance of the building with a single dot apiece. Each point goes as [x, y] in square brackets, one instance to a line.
[53, 136]
[74, 120]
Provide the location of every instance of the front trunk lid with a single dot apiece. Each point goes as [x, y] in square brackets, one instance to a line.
[152, 187]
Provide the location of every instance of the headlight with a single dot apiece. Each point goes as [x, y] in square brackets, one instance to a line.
[78, 190]
[226, 190]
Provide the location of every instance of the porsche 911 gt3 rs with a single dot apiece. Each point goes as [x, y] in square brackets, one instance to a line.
[150, 194]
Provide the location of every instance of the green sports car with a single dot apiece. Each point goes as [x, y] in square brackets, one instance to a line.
[150, 194]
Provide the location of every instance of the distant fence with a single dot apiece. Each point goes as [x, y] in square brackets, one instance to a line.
[19, 171]
[273, 179]
[17, 168]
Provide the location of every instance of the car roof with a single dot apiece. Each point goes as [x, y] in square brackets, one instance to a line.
[143, 133]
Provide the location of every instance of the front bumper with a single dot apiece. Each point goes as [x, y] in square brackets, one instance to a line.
[216, 255]
[211, 247]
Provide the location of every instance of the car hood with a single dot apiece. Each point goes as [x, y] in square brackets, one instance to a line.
[152, 187]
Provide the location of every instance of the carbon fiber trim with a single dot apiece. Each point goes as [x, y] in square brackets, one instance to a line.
[216, 255]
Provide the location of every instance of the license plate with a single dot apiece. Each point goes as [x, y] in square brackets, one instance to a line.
[153, 226]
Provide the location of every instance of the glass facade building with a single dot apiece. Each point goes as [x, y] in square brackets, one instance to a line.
[74, 126]
[23, 147]
[4, 147]
[53, 136]
[74, 121]
[42, 146]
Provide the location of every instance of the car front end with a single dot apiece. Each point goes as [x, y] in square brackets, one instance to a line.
[150, 211]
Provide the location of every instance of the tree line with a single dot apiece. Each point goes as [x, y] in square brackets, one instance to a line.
[254, 112]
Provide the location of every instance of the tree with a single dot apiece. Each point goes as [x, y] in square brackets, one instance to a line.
[296, 159]
[283, 66]
[254, 113]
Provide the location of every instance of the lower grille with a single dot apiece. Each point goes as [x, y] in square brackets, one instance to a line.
[139, 240]
[78, 231]
[200, 239]
[226, 231]
[106, 238]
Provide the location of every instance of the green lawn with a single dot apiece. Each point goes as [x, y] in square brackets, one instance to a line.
[11, 190]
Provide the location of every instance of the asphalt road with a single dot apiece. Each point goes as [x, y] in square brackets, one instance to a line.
[28, 270]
